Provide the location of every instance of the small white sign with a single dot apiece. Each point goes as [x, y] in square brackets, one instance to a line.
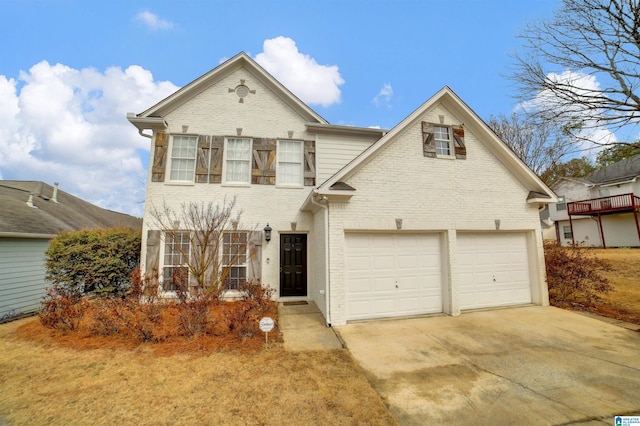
[266, 324]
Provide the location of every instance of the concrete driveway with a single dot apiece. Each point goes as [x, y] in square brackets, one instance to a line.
[530, 365]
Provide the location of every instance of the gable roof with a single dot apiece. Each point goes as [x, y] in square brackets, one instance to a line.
[622, 171]
[18, 219]
[539, 191]
[151, 118]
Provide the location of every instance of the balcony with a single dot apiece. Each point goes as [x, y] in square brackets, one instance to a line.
[604, 205]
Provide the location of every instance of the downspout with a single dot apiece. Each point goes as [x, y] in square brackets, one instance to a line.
[327, 286]
[144, 134]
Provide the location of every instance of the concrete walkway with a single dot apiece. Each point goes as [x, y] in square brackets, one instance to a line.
[304, 329]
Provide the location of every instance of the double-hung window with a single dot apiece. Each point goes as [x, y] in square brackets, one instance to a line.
[442, 137]
[566, 230]
[238, 161]
[176, 256]
[290, 166]
[561, 204]
[234, 258]
[183, 158]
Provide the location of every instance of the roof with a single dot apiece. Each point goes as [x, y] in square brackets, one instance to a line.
[541, 192]
[622, 171]
[149, 119]
[47, 217]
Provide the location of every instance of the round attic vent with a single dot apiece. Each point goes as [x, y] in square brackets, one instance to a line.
[242, 91]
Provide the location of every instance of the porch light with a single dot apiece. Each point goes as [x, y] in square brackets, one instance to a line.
[267, 232]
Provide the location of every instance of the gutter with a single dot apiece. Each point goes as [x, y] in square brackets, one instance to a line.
[325, 207]
[26, 235]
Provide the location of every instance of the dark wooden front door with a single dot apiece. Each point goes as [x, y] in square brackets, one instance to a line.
[293, 265]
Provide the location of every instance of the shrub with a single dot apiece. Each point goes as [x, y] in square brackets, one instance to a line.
[574, 275]
[98, 261]
[62, 309]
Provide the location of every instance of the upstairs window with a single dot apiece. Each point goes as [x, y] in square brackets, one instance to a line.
[289, 170]
[238, 161]
[183, 158]
[234, 258]
[176, 257]
[443, 140]
[561, 204]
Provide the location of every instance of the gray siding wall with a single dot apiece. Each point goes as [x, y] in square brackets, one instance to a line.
[22, 273]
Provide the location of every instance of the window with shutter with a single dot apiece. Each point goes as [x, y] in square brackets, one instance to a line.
[289, 171]
[443, 141]
[237, 161]
[183, 158]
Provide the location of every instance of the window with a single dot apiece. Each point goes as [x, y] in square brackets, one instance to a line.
[289, 170]
[176, 255]
[567, 232]
[238, 163]
[234, 258]
[443, 140]
[183, 158]
[561, 204]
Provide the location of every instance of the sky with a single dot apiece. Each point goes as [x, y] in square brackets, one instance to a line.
[70, 70]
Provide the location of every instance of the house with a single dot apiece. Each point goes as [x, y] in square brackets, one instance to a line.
[31, 214]
[601, 209]
[435, 215]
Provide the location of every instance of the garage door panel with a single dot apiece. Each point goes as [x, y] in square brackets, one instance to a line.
[493, 270]
[404, 275]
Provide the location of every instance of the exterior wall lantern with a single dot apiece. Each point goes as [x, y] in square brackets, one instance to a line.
[267, 232]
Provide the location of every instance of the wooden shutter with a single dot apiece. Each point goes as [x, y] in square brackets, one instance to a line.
[263, 163]
[309, 163]
[458, 140]
[254, 262]
[202, 159]
[160, 157]
[428, 140]
[152, 259]
[215, 159]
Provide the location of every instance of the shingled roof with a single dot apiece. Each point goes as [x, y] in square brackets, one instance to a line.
[48, 217]
[621, 171]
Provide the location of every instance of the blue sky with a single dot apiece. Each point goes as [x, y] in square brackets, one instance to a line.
[71, 69]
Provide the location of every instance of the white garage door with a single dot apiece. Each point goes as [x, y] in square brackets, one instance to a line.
[493, 270]
[390, 275]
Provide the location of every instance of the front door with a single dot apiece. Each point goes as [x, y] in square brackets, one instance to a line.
[293, 265]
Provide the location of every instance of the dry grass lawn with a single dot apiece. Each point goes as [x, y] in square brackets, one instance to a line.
[624, 302]
[44, 383]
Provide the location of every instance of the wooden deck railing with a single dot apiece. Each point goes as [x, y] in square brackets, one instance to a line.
[604, 204]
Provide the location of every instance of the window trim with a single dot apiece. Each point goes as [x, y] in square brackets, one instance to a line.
[171, 160]
[566, 231]
[300, 182]
[449, 141]
[225, 161]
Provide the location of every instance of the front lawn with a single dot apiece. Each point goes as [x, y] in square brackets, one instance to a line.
[44, 382]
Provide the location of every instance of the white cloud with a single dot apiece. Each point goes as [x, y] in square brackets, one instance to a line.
[384, 96]
[584, 85]
[300, 73]
[153, 21]
[60, 124]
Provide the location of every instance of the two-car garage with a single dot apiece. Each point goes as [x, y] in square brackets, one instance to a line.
[402, 274]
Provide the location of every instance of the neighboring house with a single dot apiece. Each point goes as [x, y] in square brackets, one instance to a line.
[31, 213]
[601, 209]
[435, 215]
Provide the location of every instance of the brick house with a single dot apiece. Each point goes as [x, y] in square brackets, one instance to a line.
[435, 215]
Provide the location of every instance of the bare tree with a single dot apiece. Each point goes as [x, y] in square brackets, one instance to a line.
[538, 144]
[581, 68]
[198, 232]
